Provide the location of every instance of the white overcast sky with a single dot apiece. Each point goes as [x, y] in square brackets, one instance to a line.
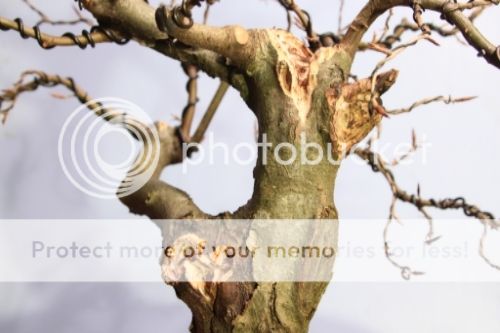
[463, 160]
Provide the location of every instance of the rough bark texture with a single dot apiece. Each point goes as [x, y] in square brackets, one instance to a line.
[295, 93]
[289, 90]
[287, 94]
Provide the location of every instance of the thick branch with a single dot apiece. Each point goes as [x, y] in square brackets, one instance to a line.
[209, 62]
[232, 42]
[157, 199]
[137, 19]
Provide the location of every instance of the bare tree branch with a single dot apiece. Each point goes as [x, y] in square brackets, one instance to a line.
[31, 80]
[209, 114]
[45, 19]
[406, 271]
[304, 22]
[340, 16]
[155, 199]
[192, 90]
[388, 40]
[377, 163]
[390, 56]
[96, 35]
[425, 101]
[195, 45]
[450, 10]
[206, 13]
[232, 42]
[209, 62]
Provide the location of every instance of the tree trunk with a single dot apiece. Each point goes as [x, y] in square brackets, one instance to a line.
[278, 94]
[298, 97]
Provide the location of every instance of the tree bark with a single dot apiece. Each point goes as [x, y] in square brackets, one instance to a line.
[297, 96]
[288, 87]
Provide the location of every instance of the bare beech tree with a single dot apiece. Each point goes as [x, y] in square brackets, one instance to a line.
[293, 88]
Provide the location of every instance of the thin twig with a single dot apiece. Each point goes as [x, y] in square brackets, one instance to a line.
[303, 21]
[450, 10]
[377, 163]
[390, 56]
[340, 16]
[45, 19]
[425, 101]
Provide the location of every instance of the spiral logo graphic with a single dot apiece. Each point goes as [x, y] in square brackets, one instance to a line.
[111, 155]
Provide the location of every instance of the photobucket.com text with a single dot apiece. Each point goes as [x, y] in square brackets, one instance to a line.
[285, 153]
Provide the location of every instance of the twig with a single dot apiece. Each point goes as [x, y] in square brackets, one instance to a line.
[388, 41]
[374, 101]
[451, 11]
[207, 10]
[45, 19]
[413, 148]
[340, 16]
[425, 101]
[304, 22]
[406, 271]
[376, 162]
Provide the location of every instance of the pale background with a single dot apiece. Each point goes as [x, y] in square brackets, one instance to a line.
[463, 160]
